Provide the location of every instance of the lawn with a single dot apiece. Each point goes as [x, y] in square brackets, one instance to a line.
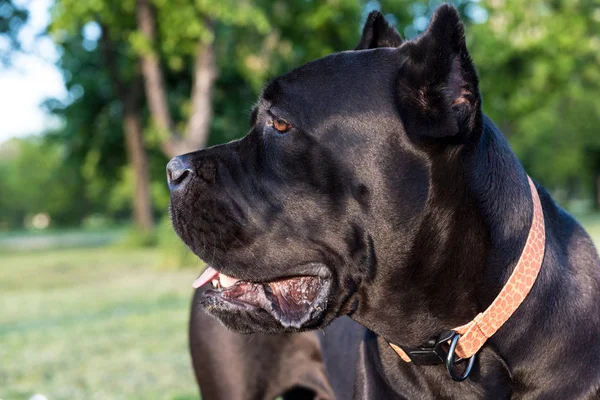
[93, 323]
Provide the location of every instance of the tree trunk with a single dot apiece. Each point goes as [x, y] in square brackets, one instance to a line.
[205, 73]
[142, 199]
[153, 79]
[129, 94]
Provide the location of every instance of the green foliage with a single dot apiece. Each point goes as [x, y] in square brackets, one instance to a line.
[182, 24]
[539, 63]
[12, 18]
[34, 179]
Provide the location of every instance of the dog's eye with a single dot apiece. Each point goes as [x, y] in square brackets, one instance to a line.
[281, 125]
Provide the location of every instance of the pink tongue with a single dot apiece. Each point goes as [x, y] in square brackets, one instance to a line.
[208, 275]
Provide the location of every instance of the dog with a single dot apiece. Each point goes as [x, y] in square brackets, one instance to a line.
[373, 202]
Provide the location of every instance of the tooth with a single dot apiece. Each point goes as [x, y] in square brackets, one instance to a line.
[227, 281]
[215, 283]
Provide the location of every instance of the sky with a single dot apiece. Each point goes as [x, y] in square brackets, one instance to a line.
[32, 78]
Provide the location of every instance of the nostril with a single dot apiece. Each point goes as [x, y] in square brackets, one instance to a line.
[176, 177]
[178, 172]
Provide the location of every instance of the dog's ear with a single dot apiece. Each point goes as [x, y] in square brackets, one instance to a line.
[378, 33]
[438, 91]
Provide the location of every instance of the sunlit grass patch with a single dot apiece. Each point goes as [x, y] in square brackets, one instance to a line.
[98, 323]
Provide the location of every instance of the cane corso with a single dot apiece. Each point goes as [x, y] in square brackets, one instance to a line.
[373, 202]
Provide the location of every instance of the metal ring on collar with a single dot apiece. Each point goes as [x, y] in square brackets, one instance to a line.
[450, 362]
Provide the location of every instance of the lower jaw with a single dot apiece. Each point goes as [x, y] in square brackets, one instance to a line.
[290, 317]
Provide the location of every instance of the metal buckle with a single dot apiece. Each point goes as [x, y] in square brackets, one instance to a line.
[434, 352]
[437, 351]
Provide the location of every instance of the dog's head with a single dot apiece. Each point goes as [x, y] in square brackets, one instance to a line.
[326, 193]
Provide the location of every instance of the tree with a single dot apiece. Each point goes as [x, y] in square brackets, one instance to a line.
[119, 65]
[129, 94]
[196, 40]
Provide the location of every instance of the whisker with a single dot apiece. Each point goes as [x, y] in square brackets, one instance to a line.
[222, 241]
[214, 249]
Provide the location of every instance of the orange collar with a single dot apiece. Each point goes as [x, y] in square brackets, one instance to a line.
[474, 334]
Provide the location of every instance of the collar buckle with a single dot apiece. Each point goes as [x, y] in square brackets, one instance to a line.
[434, 352]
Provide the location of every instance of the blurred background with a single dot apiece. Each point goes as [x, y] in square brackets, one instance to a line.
[97, 95]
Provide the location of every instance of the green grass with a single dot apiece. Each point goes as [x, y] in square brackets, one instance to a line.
[94, 323]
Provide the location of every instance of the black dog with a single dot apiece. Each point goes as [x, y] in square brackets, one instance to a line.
[372, 186]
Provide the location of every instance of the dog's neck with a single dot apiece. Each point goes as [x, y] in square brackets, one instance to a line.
[499, 187]
[470, 238]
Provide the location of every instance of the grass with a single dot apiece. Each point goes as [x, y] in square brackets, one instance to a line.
[93, 323]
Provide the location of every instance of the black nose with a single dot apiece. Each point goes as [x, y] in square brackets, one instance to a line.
[179, 173]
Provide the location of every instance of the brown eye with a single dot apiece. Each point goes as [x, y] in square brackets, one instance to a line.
[281, 126]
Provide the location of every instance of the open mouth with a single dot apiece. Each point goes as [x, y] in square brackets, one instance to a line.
[293, 301]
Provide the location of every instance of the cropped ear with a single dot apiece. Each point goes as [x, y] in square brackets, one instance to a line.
[378, 33]
[438, 90]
